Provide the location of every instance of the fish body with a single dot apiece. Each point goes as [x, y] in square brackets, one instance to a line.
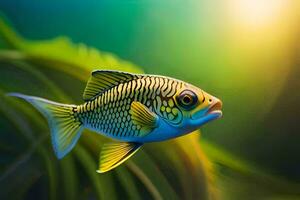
[131, 108]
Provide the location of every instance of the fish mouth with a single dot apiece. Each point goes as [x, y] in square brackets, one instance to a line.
[215, 109]
[211, 113]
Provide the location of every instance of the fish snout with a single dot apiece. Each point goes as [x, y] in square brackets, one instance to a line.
[215, 106]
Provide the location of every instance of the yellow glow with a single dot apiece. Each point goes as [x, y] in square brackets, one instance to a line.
[257, 12]
[262, 33]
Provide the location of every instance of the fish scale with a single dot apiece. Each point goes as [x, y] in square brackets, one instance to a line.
[118, 100]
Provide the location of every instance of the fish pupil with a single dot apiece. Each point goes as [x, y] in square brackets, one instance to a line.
[186, 99]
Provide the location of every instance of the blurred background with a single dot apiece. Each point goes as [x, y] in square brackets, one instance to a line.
[245, 52]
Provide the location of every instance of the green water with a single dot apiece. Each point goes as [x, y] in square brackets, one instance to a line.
[246, 56]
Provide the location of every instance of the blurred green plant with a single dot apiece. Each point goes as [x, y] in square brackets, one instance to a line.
[57, 69]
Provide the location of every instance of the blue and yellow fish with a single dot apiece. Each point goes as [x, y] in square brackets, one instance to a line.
[131, 108]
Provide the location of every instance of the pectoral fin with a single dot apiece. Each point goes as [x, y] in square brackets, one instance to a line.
[114, 154]
[143, 117]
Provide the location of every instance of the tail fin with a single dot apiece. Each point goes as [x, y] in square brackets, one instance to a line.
[64, 126]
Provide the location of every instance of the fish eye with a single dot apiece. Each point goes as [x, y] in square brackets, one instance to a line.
[187, 99]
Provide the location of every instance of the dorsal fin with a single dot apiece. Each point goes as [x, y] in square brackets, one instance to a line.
[103, 80]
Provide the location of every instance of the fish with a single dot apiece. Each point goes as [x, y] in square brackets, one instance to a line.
[132, 109]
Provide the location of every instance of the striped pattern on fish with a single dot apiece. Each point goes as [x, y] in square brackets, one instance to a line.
[110, 112]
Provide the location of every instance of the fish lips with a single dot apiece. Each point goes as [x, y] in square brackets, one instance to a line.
[215, 109]
[212, 112]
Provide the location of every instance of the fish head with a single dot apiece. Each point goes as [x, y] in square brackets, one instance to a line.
[197, 106]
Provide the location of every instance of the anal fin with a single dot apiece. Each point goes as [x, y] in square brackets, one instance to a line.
[115, 153]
